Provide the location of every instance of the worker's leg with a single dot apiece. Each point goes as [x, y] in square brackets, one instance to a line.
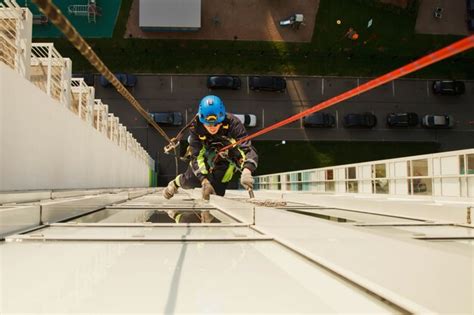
[217, 177]
[186, 180]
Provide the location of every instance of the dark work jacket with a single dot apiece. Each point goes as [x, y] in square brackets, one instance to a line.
[202, 143]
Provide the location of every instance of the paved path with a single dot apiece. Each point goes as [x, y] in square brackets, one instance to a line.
[242, 19]
[182, 93]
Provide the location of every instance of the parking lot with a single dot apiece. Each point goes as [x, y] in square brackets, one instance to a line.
[183, 92]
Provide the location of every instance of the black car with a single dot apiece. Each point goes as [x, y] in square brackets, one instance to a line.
[402, 119]
[470, 14]
[267, 83]
[128, 80]
[168, 118]
[223, 82]
[470, 7]
[363, 120]
[448, 87]
[319, 120]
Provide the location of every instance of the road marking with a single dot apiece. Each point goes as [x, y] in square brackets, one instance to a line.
[393, 88]
[358, 82]
[171, 84]
[427, 88]
[337, 119]
[248, 89]
[186, 115]
[322, 86]
[263, 118]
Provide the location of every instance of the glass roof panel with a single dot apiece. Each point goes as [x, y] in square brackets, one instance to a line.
[172, 232]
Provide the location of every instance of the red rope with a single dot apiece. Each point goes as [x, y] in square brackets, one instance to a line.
[448, 51]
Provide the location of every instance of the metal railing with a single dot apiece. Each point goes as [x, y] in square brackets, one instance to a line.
[12, 20]
[50, 71]
[447, 174]
[101, 114]
[82, 101]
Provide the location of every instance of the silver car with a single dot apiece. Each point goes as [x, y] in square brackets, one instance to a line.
[437, 121]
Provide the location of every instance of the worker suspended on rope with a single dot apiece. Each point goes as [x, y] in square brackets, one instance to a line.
[213, 130]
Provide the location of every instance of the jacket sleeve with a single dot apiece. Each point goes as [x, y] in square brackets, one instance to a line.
[197, 164]
[248, 152]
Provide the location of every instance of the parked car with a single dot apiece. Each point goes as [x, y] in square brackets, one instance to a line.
[267, 83]
[128, 80]
[249, 120]
[88, 77]
[402, 119]
[470, 14]
[223, 82]
[448, 87]
[470, 7]
[319, 120]
[470, 23]
[168, 118]
[363, 120]
[438, 121]
[292, 20]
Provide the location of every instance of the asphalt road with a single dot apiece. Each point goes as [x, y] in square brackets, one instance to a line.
[183, 92]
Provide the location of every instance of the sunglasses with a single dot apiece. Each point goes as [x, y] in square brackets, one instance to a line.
[211, 120]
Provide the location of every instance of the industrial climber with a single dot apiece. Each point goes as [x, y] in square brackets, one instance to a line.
[210, 169]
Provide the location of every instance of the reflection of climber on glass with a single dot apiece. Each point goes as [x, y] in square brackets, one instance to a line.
[191, 216]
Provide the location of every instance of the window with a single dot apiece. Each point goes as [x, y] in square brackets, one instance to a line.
[419, 167]
[351, 173]
[379, 170]
[380, 186]
[470, 164]
[351, 186]
[329, 174]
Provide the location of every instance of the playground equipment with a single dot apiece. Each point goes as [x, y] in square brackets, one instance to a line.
[91, 10]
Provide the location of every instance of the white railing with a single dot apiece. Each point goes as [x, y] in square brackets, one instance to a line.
[47, 69]
[112, 125]
[51, 72]
[101, 114]
[15, 36]
[447, 175]
[82, 101]
[122, 133]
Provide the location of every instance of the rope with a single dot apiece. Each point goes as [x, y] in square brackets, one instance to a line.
[62, 23]
[443, 53]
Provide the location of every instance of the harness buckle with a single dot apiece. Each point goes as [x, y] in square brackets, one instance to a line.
[171, 146]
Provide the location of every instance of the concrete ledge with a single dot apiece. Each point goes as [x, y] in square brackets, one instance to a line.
[24, 196]
[17, 218]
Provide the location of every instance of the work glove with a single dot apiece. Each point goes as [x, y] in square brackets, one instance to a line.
[207, 189]
[246, 179]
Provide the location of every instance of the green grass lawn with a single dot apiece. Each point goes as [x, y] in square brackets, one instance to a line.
[388, 44]
[275, 157]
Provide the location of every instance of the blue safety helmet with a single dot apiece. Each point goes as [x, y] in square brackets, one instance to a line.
[211, 110]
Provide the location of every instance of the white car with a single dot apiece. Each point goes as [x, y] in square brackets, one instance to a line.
[249, 120]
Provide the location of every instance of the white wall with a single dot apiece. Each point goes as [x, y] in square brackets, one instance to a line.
[43, 145]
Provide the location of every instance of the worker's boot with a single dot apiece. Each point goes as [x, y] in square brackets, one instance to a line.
[170, 190]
